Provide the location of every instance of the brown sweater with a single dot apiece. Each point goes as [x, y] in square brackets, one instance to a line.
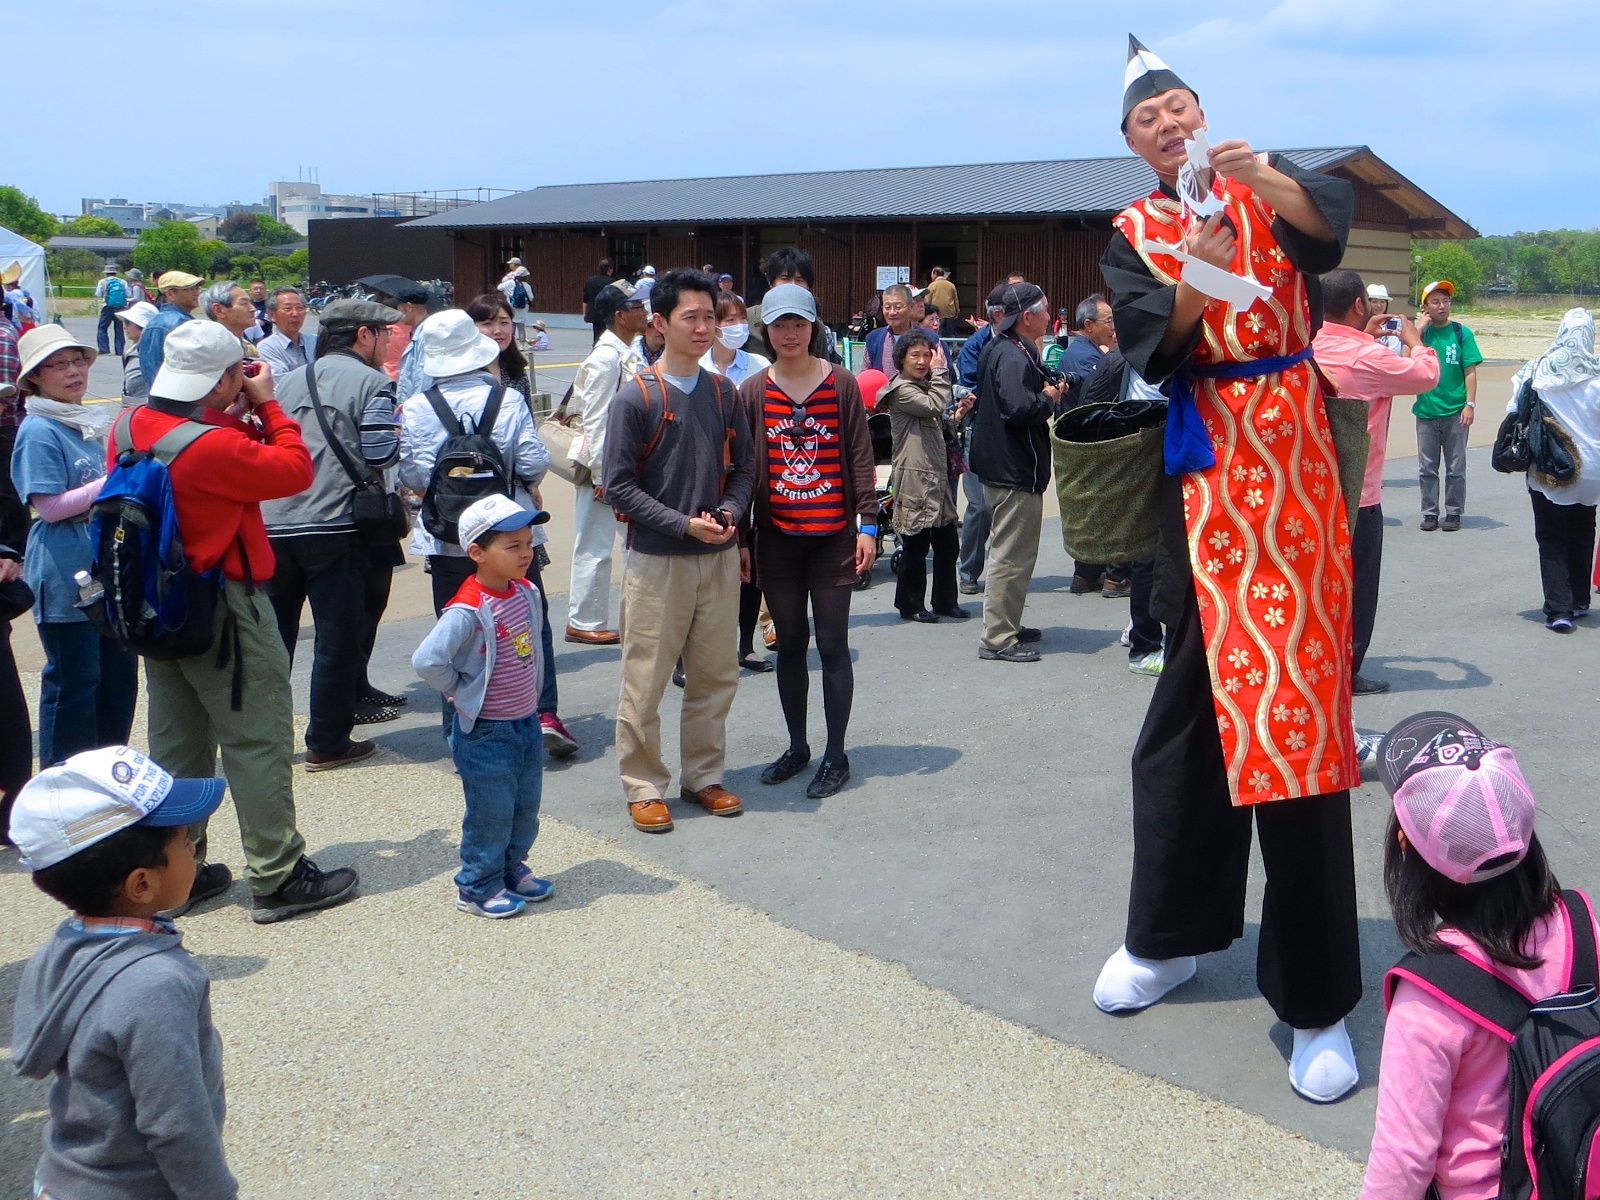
[860, 482]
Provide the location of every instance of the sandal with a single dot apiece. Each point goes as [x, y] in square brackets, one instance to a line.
[754, 662]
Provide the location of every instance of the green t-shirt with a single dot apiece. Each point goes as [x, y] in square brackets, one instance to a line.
[1450, 397]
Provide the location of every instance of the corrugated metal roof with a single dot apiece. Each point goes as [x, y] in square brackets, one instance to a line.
[1078, 186]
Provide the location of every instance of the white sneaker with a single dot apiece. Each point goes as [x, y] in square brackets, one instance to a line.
[1148, 664]
[1367, 745]
[1323, 1065]
[1127, 984]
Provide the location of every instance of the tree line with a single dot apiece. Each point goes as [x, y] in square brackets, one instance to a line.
[1517, 264]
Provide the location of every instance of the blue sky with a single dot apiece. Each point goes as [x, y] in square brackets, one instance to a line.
[1474, 101]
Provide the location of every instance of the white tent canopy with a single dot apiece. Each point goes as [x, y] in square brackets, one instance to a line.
[16, 250]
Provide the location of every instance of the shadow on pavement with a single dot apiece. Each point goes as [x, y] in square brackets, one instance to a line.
[389, 866]
[586, 882]
[1425, 675]
[230, 966]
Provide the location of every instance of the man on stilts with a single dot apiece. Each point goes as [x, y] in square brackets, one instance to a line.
[1250, 719]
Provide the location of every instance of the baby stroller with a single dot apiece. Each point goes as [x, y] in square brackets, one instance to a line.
[882, 456]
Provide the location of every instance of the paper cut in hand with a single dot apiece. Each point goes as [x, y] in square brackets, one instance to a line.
[1196, 179]
[1213, 281]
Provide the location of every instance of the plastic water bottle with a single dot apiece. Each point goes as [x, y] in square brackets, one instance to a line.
[90, 589]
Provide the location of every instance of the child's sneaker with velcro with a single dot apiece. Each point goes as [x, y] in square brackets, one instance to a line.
[524, 883]
[498, 906]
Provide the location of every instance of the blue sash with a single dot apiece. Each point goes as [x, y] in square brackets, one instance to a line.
[1187, 446]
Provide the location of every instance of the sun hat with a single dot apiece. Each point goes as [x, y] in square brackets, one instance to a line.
[788, 300]
[452, 344]
[68, 808]
[193, 358]
[40, 342]
[521, 272]
[1460, 798]
[1376, 291]
[177, 279]
[513, 262]
[1013, 299]
[110, 269]
[140, 314]
[135, 273]
[1439, 285]
[499, 513]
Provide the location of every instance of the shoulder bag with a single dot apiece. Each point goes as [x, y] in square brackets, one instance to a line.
[560, 432]
[379, 514]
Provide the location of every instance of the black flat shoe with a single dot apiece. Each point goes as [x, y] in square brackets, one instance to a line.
[1360, 685]
[754, 662]
[955, 614]
[922, 615]
[679, 679]
[383, 700]
[831, 775]
[790, 763]
[210, 880]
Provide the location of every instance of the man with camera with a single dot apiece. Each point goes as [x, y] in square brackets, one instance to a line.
[346, 416]
[240, 699]
[1349, 347]
[1011, 456]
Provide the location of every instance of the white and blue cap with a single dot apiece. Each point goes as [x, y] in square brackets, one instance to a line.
[70, 807]
[501, 514]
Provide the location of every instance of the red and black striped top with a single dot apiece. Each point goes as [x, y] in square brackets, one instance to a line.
[805, 471]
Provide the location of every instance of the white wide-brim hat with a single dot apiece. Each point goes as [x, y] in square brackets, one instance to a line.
[452, 344]
[40, 342]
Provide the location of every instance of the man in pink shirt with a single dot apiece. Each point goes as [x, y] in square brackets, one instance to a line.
[1347, 350]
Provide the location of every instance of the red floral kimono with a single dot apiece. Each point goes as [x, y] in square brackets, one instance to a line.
[1269, 547]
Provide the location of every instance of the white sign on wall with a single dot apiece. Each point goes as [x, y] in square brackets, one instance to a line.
[889, 276]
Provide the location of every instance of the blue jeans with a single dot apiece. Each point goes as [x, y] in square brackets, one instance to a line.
[501, 764]
[107, 325]
[87, 691]
[975, 524]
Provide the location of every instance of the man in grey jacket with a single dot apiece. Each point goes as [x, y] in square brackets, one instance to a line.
[321, 557]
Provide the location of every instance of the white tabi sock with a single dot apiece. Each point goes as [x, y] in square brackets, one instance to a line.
[1127, 984]
[1323, 1065]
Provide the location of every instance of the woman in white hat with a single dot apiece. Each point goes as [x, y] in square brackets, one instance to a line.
[90, 684]
[135, 387]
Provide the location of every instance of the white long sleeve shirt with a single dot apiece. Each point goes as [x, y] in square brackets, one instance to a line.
[611, 364]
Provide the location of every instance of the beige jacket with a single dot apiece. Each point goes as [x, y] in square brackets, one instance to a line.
[942, 295]
[920, 473]
[610, 364]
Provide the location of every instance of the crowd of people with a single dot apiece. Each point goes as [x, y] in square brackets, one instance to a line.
[736, 456]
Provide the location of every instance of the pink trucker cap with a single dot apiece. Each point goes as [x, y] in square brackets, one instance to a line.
[1460, 797]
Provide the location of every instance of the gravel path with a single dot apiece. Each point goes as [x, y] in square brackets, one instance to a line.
[638, 1035]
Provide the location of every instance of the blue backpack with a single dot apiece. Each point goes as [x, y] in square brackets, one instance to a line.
[149, 600]
[116, 294]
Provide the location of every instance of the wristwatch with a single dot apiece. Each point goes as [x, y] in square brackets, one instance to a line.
[869, 530]
[1472, 404]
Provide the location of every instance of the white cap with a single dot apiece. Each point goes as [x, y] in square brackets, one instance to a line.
[499, 513]
[1376, 291]
[452, 344]
[93, 795]
[648, 271]
[194, 357]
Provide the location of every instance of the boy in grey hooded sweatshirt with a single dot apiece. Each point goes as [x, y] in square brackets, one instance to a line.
[113, 1004]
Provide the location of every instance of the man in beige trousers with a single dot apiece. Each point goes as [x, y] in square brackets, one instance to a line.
[679, 466]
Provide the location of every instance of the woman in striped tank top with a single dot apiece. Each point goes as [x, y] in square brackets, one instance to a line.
[814, 486]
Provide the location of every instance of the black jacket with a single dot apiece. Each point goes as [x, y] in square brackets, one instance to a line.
[1011, 420]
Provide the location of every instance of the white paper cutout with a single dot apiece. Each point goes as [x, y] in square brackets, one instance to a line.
[1196, 178]
[1212, 281]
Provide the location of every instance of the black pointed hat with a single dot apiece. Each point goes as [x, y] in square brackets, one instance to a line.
[1147, 76]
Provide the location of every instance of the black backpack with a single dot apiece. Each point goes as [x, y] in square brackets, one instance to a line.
[468, 467]
[1551, 1147]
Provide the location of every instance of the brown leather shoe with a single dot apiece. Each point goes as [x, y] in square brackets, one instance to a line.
[716, 800]
[593, 637]
[650, 816]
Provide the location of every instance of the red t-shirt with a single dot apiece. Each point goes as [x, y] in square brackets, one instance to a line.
[218, 484]
[805, 470]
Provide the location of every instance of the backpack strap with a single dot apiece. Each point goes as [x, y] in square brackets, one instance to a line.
[441, 409]
[122, 432]
[176, 440]
[666, 415]
[1585, 969]
[491, 412]
[1482, 997]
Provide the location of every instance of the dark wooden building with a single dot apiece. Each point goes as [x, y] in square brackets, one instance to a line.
[1050, 220]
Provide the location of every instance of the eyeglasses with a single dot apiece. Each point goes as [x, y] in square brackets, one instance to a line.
[64, 362]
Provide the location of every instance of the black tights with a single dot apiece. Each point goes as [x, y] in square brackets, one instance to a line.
[830, 608]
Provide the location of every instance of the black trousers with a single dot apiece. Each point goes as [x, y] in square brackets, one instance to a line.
[1145, 636]
[598, 330]
[1113, 572]
[912, 583]
[1191, 854]
[16, 732]
[329, 570]
[379, 581]
[1565, 533]
[1366, 554]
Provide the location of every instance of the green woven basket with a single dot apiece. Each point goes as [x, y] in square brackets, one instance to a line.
[1108, 496]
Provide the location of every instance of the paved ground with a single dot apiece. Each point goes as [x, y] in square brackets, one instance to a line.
[982, 847]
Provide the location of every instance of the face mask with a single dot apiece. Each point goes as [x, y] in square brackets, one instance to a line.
[733, 336]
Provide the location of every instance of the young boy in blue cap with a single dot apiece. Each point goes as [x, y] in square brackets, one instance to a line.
[484, 655]
[113, 1004]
